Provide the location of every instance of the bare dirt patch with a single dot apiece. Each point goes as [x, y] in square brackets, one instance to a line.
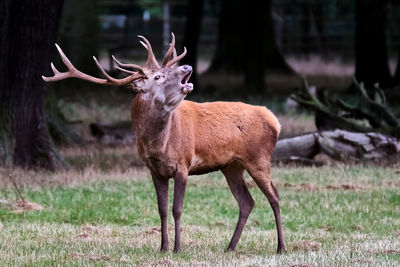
[89, 231]
[153, 230]
[156, 230]
[23, 205]
[391, 184]
[389, 251]
[91, 257]
[397, 233]
[345, 187]
[361, 261]
[302, 186]
[94, 229]
[83, 235]
[306, 245]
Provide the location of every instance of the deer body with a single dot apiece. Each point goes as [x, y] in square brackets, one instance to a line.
[177, 138]
[204, 137]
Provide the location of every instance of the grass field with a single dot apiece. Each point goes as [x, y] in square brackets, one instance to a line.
[332, 216]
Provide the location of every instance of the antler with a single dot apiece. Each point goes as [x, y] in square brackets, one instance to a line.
[176, 58]
[151, 62]
[135, 71]
[74, 73]
[130, 66]
[172, 51]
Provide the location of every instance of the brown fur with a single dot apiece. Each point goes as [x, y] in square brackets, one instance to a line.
[202, 137]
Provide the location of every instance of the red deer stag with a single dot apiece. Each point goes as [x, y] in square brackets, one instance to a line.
[177, 138]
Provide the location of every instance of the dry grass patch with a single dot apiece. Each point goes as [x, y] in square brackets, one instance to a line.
[72, 178]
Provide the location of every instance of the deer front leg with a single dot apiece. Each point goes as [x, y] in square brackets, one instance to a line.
[179, 193]
[161, 186]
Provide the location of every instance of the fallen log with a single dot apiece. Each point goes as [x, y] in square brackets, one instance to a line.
[339, 145]
[304, 146]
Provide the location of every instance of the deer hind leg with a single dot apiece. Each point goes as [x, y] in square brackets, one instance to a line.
[161, 186]
[235, 178]
[261, 175]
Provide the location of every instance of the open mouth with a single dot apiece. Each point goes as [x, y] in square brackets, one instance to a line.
[186, 78]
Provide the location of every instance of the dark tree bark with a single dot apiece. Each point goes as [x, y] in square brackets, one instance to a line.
[228, 56]
[305, 23]
[370, 43]
[192, 33]
[254, 49]
[397, 73]
[246, 43]
[273, 59]
[28, 33]
[78, 35]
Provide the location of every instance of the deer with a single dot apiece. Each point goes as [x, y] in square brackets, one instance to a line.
[177, 138]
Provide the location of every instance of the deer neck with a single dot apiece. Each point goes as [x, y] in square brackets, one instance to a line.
[152, 123]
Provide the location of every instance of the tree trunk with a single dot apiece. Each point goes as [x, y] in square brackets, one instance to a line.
[246, 44]
[254, 48]
[78, 36]
[228, 56]
[192, 33]
[240, 26]
[273, 59]
[28, 34]
[397, 73]
[305, 23]
[370, 43]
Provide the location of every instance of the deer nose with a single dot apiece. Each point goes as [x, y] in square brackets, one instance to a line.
[187, 68]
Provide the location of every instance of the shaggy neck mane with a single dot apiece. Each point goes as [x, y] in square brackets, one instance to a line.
[152, 122]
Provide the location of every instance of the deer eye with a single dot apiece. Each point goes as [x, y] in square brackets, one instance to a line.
[157, 77]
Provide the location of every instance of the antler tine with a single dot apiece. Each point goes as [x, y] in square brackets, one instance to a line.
[170, 51]
[114, 81]
[176, 59]
[174, 55]
[129, 66]
[151, 62]
[74, 73]
[126, 71]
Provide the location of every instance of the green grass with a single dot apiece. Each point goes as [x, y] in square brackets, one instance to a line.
[112, 221]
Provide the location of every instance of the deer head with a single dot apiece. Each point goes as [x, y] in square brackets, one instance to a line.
[167, 85]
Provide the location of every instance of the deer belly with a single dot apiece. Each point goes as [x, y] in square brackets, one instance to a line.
[206, 165]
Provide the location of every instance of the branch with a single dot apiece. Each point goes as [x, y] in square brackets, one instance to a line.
[373, 109]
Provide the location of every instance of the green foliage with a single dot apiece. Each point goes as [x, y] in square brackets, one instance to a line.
[153, 6]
